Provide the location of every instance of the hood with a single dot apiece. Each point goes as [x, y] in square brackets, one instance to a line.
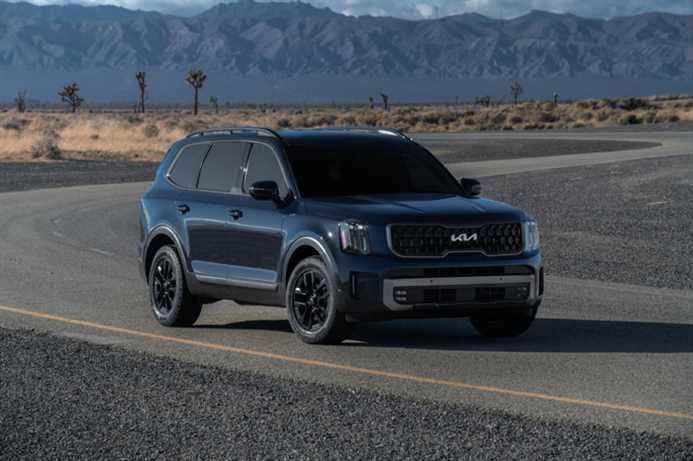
[419, 208]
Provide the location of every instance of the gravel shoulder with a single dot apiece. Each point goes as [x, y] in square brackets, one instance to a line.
[17, 176]
[87, 401]
[619, 222]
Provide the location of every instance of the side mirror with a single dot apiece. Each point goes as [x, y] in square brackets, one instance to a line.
[264, 190]
[470, 187]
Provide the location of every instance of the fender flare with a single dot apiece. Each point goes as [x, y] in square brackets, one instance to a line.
[315, 242]
[166, 230]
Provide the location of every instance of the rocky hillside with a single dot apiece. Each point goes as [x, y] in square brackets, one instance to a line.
[280, 40]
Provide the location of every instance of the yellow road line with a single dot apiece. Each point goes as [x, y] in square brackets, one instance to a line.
[349, 368]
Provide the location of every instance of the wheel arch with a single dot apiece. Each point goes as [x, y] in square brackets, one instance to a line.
[302, 248]
[161, 236]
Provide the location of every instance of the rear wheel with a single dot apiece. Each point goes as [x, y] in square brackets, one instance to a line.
[172, 303]
[504, 324]
[311, 301]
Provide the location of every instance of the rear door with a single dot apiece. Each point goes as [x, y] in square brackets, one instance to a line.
[210, 225]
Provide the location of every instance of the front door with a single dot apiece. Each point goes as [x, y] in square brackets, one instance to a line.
[259, 225]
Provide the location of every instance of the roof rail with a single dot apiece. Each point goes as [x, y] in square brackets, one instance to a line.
[260, 131]
[374, 129]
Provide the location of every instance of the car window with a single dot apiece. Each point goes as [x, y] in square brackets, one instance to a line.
[221, 170]
[184, 172]
[366, 169]
[264, 166]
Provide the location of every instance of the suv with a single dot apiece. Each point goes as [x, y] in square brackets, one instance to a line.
[339, 226]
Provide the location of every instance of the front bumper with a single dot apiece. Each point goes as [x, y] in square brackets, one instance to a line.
[455, 286]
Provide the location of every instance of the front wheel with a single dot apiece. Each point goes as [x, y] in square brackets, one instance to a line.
[311, 301]
[504, 324]
[172, 303]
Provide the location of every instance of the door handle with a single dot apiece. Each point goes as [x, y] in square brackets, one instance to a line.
[236, 214]
[182, 209]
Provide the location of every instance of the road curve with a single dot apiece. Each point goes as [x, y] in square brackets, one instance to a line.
[671, 144]
[604, 353]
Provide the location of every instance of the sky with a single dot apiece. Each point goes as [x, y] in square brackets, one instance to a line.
[420, 9]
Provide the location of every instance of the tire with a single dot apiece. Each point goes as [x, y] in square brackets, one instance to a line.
[311, 302]
[172, 303]
[504, 324]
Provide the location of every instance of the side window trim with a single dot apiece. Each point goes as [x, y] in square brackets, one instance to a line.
[282, 168]
[178, 156]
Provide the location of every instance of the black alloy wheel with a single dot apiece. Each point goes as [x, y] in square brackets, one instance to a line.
[311, 301]
[163, 285]
[172, 303]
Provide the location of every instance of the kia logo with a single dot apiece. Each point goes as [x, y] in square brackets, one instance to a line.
[464, 238]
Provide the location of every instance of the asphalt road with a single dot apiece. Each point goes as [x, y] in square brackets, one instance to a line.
[615, 354]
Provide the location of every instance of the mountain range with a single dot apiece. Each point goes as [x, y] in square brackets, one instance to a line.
[288, 40]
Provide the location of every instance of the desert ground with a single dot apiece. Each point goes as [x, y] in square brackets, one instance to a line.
[99, 133]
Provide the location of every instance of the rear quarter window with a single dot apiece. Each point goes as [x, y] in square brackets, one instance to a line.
[187, 165]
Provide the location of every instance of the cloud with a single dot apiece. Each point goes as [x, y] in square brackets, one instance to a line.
[417, 9]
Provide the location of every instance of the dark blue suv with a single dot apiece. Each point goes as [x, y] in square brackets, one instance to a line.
[338, 226]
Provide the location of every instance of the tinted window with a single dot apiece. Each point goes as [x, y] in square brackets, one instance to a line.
[221, 169]
[368, 169]
[187, 165]
[263, 166]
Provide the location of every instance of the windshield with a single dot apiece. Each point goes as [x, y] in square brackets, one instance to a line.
[368, 170]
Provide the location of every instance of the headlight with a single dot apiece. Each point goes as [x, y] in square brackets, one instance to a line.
[531, 233]
[353, 237]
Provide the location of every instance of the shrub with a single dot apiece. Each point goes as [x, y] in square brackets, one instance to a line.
[548, 117]
[632, 104]
[499, 118]
[603, 116]
[516, 119]
[151, 131]
[16, 124]
[134, 120]
[631, 119]
[47, 146]
[283, 123]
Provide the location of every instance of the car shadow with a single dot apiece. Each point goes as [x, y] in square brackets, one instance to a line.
[545, 335]
[269, 325]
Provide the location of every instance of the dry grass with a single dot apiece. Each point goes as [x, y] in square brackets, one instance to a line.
[146, 137]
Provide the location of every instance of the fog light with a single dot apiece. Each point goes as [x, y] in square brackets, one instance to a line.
[400, 295]
[517, 292]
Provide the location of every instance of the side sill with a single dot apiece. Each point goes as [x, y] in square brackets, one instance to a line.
[267, 286]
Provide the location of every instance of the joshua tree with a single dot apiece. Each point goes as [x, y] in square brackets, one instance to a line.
[214, 102]
[371, 102]
[516, 90]
[555, 99]
[484, 101]
[69, 95]
[142, 83]
[386, 101]
[196, 78]
[20, 101]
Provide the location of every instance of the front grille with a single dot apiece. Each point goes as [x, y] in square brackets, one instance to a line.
[431, 240]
